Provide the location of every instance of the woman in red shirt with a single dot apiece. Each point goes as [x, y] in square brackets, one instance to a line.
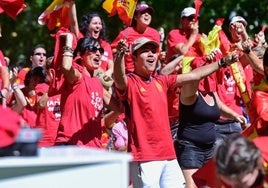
[83, 96]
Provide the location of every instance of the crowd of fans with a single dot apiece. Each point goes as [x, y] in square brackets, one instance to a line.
[172, 110]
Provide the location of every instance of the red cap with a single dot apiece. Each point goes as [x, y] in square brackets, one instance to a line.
[142, 7]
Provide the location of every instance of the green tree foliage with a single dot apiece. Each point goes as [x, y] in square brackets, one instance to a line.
[23, 33]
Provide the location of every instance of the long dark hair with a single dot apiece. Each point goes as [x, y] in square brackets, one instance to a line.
[84, 24]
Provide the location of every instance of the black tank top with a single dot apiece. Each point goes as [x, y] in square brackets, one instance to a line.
[197, 121]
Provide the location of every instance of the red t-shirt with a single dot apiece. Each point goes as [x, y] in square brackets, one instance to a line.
[48, 118]
[261, 143]
[29, 111]
[257, 78]
[10, 123]
[177, 36]
[2, 59]
[81, 107]
[130, 34]
[227, 89]
[2, 64]
[107, 55]
[149, 131]
[173, 104]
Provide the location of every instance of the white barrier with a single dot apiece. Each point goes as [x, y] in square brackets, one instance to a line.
[66, 167]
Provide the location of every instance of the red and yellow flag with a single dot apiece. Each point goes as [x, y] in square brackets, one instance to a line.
[55, 15]
[124, 8]
[12, 7]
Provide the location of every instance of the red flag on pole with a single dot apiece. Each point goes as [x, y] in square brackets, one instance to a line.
[197, 4]
[124, 8]
[55, 15]
[12, 7]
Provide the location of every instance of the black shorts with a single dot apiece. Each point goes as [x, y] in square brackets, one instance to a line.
[191, 156]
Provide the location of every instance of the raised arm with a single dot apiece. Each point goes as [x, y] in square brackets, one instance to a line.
[245, 45]
[120, 78]
[251, 58]
[189, 94]
[203, 71]
[183, 48]
[20, 100]
[71, 74]
[73, 18]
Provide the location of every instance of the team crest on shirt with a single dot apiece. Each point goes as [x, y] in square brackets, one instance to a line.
[142, 89]
[158, 86]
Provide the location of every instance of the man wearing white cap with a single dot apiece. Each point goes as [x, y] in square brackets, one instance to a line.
[150, 142]
[236, 25]
[184, 41]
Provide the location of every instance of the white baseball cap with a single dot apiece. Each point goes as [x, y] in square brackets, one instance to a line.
[238, 19]
[188, 12]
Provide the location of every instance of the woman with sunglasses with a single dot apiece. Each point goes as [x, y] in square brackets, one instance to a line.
[38, 59]
[83, 96]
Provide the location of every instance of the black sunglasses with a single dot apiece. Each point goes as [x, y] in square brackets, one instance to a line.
[189, 17]
[39, 53]
[94, 49]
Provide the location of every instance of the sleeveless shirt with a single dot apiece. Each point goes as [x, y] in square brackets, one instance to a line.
[197, 121]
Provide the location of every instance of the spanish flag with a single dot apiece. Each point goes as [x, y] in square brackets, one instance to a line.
[12, 7]
[124, 8]
[56, 15]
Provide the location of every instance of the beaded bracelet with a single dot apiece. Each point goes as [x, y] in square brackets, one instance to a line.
[67, 54]
[67, 49]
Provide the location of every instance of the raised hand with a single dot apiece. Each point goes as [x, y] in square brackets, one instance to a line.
[122, 47]
[231, 58]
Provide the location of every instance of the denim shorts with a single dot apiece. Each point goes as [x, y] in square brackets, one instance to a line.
[191, 155]
[223, 129]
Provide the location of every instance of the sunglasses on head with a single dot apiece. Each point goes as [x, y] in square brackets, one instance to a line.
[39, 53]
[94, 49]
